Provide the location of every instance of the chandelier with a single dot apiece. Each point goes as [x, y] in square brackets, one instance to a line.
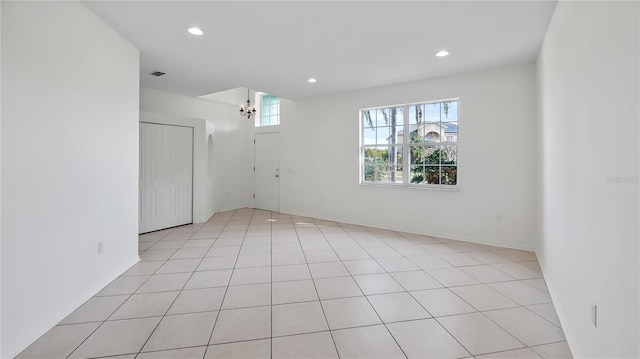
[247, 110]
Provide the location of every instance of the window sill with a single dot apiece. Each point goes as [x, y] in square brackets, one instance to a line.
[455, 188]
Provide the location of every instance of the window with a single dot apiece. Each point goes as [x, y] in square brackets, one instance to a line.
[269, 111]
[413, 145]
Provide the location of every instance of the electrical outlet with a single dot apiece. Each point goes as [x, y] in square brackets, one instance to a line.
[100, 247]
[594, 315]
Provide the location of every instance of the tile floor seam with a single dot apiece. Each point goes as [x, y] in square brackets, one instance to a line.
[85, 339]
[552, 323]
[525, 347]
[177, 296]
[315, 287]
[501, 327]
[423, 307]
[518, 279]
[456, 338]
[505, 329]
[540, 345]
[473, 306]
[170, 305]
[440, 324]
[109, 316]
[527, 284]
[271, 284]
[227, 287]
[164, 350]
[434, 317]
[112, 356]
[503, 351]
[374, 309]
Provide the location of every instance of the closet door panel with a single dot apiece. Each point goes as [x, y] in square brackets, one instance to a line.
[142, 156]
[185, 175]
[171, 166]
[151, 182]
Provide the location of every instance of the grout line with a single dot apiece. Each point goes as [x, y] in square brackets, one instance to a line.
[230, 278]
[164, 350]
[335, 347]
[177, 296]
[475, 310]
[422, 306]
[367, 298]
[271, 284]
[554, 308]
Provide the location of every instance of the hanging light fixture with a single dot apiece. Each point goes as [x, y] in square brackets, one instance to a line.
[247, 110]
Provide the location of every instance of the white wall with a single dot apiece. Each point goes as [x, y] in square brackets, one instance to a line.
[588, 76]
[70, 89]
[497, 160]
[235, 96]
[230, 185]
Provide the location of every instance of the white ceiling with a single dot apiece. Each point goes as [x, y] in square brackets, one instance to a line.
[276, 46]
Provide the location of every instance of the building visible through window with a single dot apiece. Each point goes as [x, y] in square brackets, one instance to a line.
[427, 156]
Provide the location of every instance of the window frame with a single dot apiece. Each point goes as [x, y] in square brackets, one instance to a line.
[406, 157]
[259, 113]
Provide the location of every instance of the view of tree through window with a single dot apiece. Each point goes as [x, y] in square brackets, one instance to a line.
[411, 144]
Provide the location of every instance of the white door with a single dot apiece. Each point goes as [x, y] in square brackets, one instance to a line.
[267, 172]
[185, 175]
[166, 176]
[171, 162]
[150, 216]
[178, 169]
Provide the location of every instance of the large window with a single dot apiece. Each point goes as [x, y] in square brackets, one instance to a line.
[414, 144]
[269, 111]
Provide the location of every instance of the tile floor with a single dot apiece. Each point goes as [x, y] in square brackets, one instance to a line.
[256, 284]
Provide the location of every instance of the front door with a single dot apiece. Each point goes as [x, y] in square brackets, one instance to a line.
[267, 172]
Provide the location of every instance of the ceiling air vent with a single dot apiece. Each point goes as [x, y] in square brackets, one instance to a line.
[157, 73]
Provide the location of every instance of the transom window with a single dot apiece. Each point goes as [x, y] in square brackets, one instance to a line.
[415, 144]
[269, 111]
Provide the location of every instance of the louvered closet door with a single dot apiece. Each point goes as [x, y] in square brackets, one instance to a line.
[166, 176]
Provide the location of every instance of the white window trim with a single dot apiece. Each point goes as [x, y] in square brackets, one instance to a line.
[258, 117]
[405, 151]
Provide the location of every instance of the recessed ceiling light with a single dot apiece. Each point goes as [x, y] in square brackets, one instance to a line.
[195, 31]
[442, 53]
[312, 80]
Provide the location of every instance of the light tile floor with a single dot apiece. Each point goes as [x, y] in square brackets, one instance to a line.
[256, 284]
